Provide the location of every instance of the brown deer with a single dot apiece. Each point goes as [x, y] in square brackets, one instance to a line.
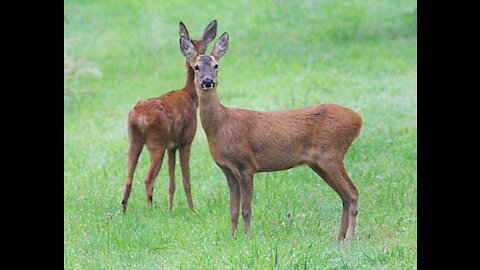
[244, 142]
[168, 122]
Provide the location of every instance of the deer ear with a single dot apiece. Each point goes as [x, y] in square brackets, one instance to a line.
[210, 32]
[221, 46]
[183, 30]
[187, 48]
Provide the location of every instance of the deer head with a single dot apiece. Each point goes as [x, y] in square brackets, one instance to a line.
[205, 66]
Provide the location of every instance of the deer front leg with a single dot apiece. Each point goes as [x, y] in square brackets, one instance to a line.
[234, 188]
[246, 189]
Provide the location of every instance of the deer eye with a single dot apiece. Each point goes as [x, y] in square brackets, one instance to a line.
[196, 67]
[215, 67]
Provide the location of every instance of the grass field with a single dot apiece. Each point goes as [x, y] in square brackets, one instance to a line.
[283, 54]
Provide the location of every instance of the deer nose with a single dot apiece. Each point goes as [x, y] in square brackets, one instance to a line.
[207, 83]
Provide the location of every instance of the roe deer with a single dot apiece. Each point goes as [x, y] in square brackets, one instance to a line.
[244, 142]
[164, 123]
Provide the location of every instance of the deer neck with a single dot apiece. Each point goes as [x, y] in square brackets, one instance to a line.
[212, 112]
[189, 83]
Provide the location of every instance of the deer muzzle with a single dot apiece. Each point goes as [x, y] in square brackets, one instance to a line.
[207, 84]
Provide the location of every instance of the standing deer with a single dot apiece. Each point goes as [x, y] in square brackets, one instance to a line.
[244, 142]
[168, 122]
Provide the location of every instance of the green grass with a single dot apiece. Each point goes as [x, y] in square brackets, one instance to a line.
[283, 54]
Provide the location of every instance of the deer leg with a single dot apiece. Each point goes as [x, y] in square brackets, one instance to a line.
[184, 152]
[135, 146]
[331, 183]
[353, 207]
[246, 189]
[156, 159]
[335, 178]
[234, 188]
[171, 176]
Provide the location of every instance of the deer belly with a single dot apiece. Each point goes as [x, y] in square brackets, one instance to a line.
[278, 159]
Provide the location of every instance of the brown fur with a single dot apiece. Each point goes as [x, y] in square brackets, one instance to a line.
[168, 122]
[245, 142]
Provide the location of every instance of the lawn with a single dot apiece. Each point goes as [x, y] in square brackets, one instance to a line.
[282, 55]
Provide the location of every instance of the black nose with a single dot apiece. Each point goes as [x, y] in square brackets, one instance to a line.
[207, 83]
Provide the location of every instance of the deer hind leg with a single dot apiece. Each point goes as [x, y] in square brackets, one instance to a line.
[336, 177]
[353, 203]
[171, 176]
[135, 146]
[156, 146]
[184, 153]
